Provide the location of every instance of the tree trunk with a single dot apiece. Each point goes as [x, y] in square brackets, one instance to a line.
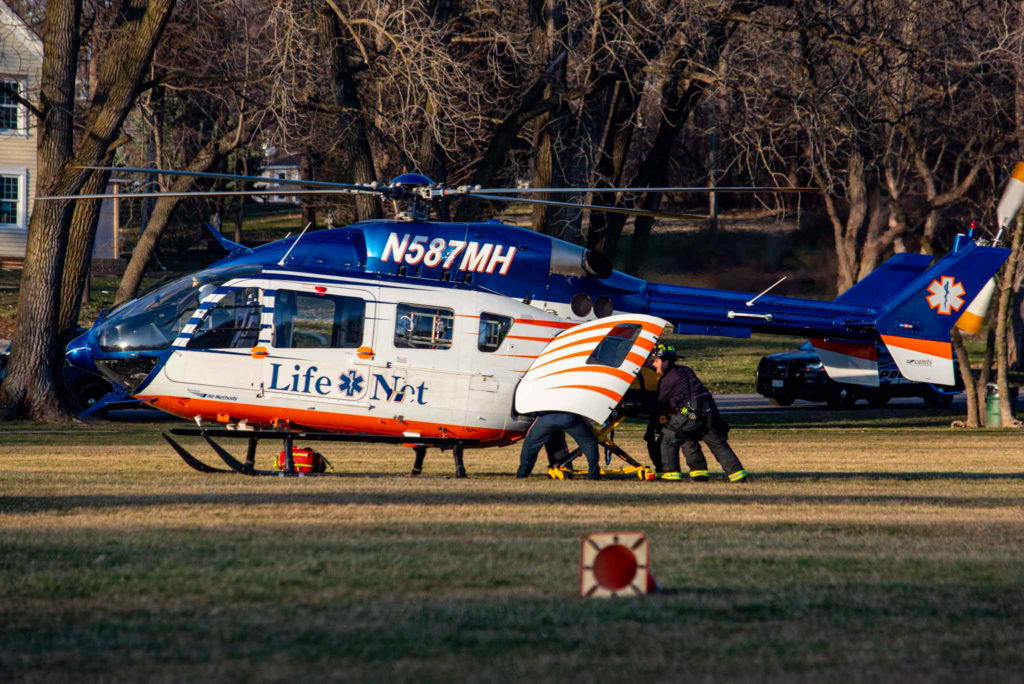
[532, 105]
[30, 388]
[29, 391]
[606, 229]
[963, 364]
[677, 109]
[1002, 325]
[84, 220]
[356, 142]
[210, 156]
[985, 373]
[307, 171]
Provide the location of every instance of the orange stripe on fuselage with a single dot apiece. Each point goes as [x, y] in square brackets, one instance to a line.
[941, 349]
[644, 343]
[648, 327]
[584, 340]
[631, 356]
[621, 375]
[868, 352]
[614, 396]
[330, 421]
[546, 324]
[636, 358]
[586, 352]
[528, 339]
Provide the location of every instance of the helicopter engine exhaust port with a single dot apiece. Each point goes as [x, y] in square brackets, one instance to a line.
[573, 260]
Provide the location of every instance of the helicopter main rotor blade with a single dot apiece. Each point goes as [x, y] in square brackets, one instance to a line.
[210, 193]
[231, 176]
[519, 191]
[593, 207]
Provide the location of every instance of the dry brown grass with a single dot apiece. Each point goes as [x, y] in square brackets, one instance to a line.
[861, 551]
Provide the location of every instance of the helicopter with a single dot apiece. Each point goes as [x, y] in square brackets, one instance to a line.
[450, 335]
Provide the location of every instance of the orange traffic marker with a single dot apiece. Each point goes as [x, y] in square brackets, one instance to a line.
[615, 564]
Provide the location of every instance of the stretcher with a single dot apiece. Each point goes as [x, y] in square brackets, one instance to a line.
[605, 434]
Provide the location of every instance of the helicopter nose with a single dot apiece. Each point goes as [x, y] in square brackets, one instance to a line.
[79, 354]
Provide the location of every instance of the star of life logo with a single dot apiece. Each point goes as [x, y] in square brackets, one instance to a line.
[946, 295]
[350, 383]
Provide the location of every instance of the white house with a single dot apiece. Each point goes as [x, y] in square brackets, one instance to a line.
[21, 59]
[278, 168]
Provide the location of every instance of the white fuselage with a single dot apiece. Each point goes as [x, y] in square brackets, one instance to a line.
[354, 355]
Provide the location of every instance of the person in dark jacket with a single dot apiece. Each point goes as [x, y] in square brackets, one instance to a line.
[692, 417]
[548, 424]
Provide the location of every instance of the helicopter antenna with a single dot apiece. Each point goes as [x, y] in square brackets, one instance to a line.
[281, 262]
[766, 291]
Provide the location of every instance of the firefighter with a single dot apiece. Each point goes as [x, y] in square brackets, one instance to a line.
[641, 401]
[647, 382]
[548, 424]
[691, 417]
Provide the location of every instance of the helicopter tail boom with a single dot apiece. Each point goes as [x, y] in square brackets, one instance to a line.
[912, 307]
[916, 322]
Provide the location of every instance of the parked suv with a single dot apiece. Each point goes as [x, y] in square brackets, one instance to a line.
[799, 374]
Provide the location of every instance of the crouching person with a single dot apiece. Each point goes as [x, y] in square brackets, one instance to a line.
[692, 417]
[549, 423]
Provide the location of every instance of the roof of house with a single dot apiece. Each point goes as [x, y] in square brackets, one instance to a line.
[290, 160]
[11, 18]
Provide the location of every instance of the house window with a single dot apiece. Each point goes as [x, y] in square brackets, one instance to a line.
[423, 327]
[10, 199]
[10, 110]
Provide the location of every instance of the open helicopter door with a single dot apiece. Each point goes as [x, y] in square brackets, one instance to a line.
[587, 368]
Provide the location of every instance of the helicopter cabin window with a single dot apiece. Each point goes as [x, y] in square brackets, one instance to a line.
[612, 350]
[493, 329]
[304, 320]
[423, 327]
[233, 323]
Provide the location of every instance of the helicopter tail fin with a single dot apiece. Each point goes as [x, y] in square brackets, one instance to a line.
[922, 308]
[228, 245]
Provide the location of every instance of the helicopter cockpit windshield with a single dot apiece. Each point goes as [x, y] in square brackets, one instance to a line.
[154, 320]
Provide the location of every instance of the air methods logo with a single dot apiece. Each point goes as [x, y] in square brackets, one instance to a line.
[946, 295]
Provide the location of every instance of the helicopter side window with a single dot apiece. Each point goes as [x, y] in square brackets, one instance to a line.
[612, 350]
[233, 323]
[309, 321]
[423, 327]
[493, 329]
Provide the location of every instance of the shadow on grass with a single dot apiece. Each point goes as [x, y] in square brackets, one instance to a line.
[669, 494]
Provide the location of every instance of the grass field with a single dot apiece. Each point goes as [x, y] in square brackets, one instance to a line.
[871, 546]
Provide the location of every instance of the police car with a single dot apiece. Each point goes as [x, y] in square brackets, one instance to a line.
[799, 374]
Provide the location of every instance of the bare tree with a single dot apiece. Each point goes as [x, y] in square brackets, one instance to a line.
[30, 388]
[209, 69]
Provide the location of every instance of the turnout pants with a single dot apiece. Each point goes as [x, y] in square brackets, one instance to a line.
[714, 434]
[652, 437]
[547, 425]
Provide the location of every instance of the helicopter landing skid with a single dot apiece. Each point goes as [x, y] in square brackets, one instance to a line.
[191, 461]
[289, 470]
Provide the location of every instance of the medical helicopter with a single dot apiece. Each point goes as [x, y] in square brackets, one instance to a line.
[449, 335]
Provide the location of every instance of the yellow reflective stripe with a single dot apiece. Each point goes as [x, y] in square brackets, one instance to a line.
[675, 475]
[738, 475]
[698, 473]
